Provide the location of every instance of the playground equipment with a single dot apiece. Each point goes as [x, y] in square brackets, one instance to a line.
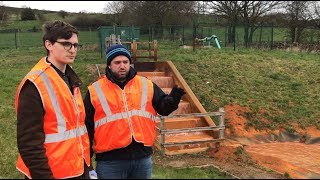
[208, 39]
[138, 49]
[112, 39]
[126, 33]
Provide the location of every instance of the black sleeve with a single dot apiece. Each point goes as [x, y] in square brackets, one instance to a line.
[163, 103]
[89, 121]
[30, 132]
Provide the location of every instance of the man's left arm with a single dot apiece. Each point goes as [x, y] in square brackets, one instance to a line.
[165, 104]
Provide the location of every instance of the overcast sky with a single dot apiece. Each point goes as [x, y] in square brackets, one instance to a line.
[69, 6]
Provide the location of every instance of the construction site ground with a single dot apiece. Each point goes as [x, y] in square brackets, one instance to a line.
[248, 153]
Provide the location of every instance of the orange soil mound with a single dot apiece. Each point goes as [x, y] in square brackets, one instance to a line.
[299, 160]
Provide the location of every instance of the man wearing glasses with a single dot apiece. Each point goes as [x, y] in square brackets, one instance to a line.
[51, 135]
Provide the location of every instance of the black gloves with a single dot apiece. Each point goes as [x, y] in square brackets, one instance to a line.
[176, 93]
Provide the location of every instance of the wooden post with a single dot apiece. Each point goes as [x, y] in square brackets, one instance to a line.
[162, 136]
[15, 38]
[134, 51]
[260, 36]
[271, 42]
[155, 50]
[221, 123]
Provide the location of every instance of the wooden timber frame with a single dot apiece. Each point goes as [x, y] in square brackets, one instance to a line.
[152, 50]
[220, 128]
[217, 131]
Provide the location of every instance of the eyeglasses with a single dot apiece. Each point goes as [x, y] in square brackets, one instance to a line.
[68, 45]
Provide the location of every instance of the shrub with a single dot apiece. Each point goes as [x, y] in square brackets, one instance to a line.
[27, 14]
[84, 20]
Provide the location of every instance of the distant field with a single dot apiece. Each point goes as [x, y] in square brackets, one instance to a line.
[34, 39]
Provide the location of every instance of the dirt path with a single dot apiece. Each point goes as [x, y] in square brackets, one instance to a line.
[232, 167]
[297, 159]
[295, 155]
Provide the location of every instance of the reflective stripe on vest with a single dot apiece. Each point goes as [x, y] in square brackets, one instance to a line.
[62, 134]
[113, 117]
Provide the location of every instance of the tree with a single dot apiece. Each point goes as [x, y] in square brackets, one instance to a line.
[298, 17]
[41, 17]
[230, 10]
[150, 12]
[250, 13]
[85, 20]
[115, 11]
[27, 14]
[247, 13]
[316, 14]
[3, 13]
[63, 13]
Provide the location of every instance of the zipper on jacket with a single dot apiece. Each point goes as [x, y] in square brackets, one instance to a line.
[124, 98]
[77, 131]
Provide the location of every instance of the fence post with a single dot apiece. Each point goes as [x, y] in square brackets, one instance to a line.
[134, 48]
[15, 38]
[260, 35]
[271, 42]
[132, 32]
[150, 34]
[182, 34]
[194, 35]
[90, 34]
[234, 37]
[100, 39]
[225, 36]
[173, 31]
[221, 123]
[155, 50]
[162, 135]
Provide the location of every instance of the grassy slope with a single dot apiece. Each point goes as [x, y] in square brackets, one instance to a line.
[284, 84]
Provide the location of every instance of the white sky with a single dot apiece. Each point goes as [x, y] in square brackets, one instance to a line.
[68, 6]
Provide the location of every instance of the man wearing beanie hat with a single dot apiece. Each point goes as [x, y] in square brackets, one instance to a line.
[121, 108]
[116, 50]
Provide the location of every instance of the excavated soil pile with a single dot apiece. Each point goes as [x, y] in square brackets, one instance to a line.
[294, 155]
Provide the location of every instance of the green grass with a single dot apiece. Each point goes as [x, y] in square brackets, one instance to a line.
[34, 39]
[26, 25]
[284, 84]
[161, 172]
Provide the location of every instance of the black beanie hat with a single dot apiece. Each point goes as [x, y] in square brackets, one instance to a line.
[116, 50]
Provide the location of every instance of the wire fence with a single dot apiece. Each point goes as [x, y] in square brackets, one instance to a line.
[266, 36]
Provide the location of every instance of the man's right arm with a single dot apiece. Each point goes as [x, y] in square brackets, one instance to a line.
[30, 132]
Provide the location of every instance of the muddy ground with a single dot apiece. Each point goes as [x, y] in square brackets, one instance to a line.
[251, 154]
[242, 167]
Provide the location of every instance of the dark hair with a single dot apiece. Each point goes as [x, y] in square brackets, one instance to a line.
[57, 29]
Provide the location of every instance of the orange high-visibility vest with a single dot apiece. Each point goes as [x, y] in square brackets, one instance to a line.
[66, 137]
[122, 114]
